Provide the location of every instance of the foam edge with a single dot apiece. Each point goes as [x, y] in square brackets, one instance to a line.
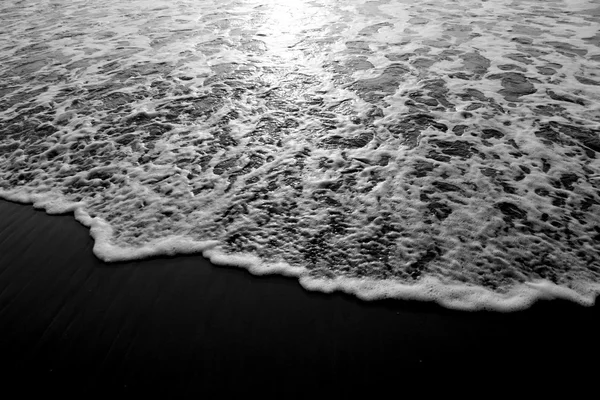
[430, 289]
[101, 231]
[455, 296]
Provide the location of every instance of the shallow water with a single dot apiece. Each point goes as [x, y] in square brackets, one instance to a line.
[433, 150]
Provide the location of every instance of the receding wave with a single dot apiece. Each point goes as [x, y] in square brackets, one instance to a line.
[441, 151]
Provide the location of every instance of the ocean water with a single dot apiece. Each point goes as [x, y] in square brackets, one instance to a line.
[432, 150]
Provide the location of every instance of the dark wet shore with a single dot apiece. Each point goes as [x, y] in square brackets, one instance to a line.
[181, 326]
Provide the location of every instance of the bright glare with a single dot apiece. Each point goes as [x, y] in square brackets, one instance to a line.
[287, 22]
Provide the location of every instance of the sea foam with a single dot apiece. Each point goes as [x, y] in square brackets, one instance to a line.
[431, 151]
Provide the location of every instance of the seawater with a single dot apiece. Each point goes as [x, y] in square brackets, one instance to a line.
[432, 150]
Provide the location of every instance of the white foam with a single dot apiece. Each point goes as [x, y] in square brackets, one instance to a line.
[286, 139]
[450, 295]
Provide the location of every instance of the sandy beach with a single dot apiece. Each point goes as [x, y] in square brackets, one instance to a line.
[181, 326]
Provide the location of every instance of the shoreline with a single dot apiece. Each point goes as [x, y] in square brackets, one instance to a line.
[430, 289]
[182, 325]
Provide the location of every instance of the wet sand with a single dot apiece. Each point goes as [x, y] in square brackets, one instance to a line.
[181, 326]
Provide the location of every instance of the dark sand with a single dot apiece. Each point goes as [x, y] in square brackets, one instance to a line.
[175, 326]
